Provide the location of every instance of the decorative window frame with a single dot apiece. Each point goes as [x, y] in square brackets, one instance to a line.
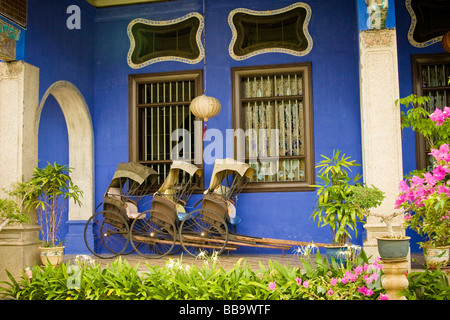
[412, 28]
[269, 13]
[164, 23]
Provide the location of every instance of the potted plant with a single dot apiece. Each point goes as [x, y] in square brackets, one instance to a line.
[332, 208]
[10, 213]
[391, 246]
[47, 192]
[425, 196]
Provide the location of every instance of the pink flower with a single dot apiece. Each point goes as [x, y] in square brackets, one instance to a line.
[333, 281]
[383, 297]
[438, 116]
[365, 291]
[299, 281]
[344, 280]
[351, 276]
[441, 154]
[272, 285]
[403, 186]
[439, 172]
[358, 270]
[330, 292]
[305, 284]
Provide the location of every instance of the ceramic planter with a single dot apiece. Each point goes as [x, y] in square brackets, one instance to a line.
[436, 257]
[393, 249]
[339, 253]
[377, 10]
[51, 255]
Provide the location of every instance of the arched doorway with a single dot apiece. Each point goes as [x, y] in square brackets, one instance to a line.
[81, 143]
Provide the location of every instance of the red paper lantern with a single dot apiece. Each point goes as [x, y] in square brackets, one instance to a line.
[446, 41]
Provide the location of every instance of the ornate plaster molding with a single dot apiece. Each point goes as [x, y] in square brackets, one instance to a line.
[383, 38]
[166, 23]
[269, 13]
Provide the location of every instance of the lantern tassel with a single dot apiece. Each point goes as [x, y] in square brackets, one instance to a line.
[204, 128]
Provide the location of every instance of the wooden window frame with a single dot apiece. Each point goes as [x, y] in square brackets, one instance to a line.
[417, 61]
[134, 80]
[237, 115]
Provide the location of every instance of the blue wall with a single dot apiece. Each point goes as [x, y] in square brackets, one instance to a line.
[335, 77]
[60, 54]
[94, 60]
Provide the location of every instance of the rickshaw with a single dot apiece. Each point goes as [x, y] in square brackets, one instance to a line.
[206, 229]
[154, 233]
[106, 233]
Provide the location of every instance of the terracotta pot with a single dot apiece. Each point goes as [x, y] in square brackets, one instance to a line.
[436, 257]
[446, 41]
[51, 255]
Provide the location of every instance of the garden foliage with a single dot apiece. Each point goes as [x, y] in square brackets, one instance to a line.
[175, 280]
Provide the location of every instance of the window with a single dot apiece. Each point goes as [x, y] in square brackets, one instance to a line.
[161, 124]
[283, 30]
[273, 106]
[430, 76]
[171, 40]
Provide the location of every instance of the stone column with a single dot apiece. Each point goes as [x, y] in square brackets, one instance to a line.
[19, 99]
[394, 279]
[380, 125]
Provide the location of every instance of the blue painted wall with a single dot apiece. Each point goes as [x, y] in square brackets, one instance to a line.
[335, 78]
[60, 54]
[94, 59]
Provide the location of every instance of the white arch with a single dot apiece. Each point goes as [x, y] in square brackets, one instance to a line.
[81, 143]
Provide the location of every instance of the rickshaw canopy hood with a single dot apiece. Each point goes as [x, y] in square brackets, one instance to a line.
[134, 171]
[172, 177]
[224, 167]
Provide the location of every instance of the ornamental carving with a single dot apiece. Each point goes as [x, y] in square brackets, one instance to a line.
[376, 38]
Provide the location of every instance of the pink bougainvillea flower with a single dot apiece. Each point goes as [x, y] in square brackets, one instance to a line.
[272, 285]
[344, 280]
[403, 186]
[365, 291]
[350, 276]
[438, 116]
[439, 172]
[441, 154]
[330, 292]
[407, 216]
[305, 284]
[333, 281]
[383, 297]
[358, 270]
[299, 281]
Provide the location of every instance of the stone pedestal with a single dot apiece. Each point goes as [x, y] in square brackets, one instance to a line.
[394, 279]
[380, 125]
[19, 99]
[18, 249]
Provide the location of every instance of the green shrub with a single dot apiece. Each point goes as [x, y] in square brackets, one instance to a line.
[428, 285]
[175, 281]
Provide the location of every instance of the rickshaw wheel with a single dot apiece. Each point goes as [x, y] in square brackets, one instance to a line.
[153, 234]
[203, 232]
[106, 234]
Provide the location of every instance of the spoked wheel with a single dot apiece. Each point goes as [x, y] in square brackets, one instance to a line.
[106, 234]
[203, 232]
[153, 234]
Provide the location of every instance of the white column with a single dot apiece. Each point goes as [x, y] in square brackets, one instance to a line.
[19, 96]
[19, 99]
[380, 125]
